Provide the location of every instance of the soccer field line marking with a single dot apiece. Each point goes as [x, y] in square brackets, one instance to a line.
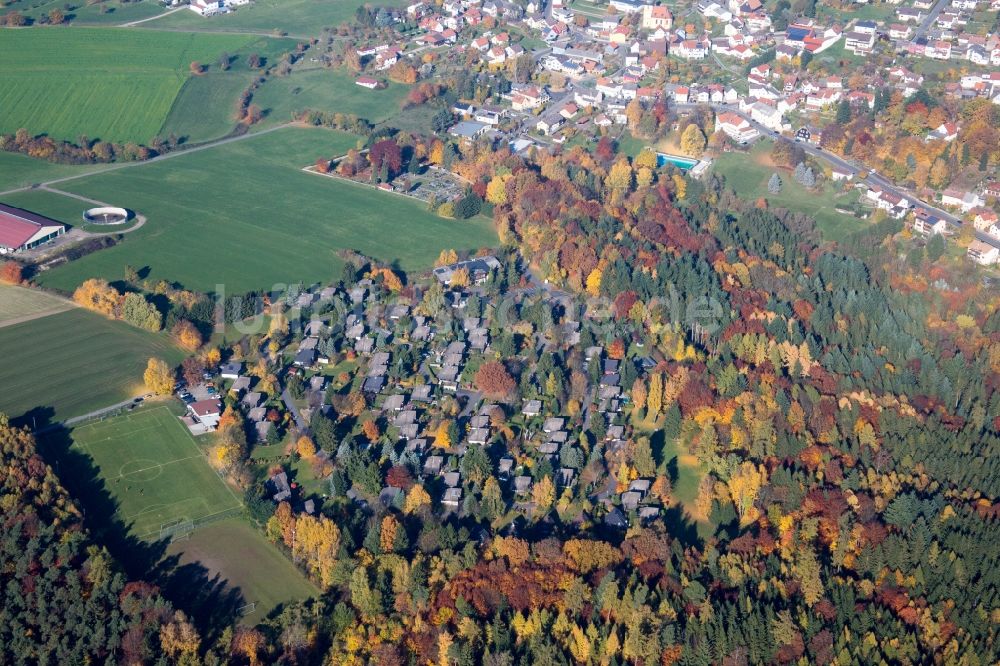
[126, 434]
[157, 465]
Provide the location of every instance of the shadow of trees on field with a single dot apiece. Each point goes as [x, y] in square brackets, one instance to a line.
[207, 598]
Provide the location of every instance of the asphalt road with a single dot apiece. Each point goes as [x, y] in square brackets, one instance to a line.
[930, 18]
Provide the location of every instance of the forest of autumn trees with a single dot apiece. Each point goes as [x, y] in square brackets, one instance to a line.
[841, 406]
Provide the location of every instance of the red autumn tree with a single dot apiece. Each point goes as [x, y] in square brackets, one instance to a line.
[386, 152]
[399, 477]
[494, 381]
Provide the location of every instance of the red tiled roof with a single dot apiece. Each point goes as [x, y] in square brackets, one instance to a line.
[206, 407]
[18, 226]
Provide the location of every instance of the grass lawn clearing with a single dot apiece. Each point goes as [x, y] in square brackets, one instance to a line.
[748, 173]
[240, 555]
[74, 362]
[294, 17]
[327, 90]
[19, 303]
[113, 84]
[216, 214]
[154, 470]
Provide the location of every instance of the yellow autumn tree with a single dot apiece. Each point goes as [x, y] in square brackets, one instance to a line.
[654, 398]
[460, 278]
[515, 550]
[415, 499]
[212, 357]
[179, 639]
[543, 493]
[315, 546]
[579, 645]
[159, 378]
[619, 178]
[97, 295]
[442, 439]
[588, 554]
[692, 140]
[680, 185]
[446, 257]
[744, 487]
[186, 335]
[646, 158]
[594, 282]
[496, 190]
[305, 447]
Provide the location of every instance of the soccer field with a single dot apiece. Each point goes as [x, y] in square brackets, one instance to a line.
[154, 470]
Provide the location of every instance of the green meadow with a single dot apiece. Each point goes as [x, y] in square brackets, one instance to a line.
[327, 90]
[748, 173]
[113, 84]
[74, 362]
[294, 17]
[246, 216]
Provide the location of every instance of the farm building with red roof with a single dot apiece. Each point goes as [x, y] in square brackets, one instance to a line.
[23, 230]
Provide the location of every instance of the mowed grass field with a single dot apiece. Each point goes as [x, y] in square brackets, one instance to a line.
[244, 215]
[204, 108]
[19, 303]
[294, 17]
[74, 362]
[233, 550]
[114, 84]
[153, 470]
[748, 173]
[327, 90]
[22, 171]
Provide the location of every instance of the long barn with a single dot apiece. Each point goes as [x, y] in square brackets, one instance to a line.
[23, 230]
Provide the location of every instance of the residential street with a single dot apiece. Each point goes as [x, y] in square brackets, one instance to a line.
[873, 179]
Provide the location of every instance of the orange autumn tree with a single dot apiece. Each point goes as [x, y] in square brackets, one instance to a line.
[186, 335]
[97, 295]
[11, 273]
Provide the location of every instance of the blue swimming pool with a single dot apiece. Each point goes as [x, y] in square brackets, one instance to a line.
[682, 163]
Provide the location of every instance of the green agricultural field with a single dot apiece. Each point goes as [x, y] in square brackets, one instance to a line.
[20, 304]
[74, 362]
[22, 171]
[205, 107]
[115, 84]
[244, 215]
[153, 470]
[748, 173]
[298, 18]
[327, 90]
[240, 555]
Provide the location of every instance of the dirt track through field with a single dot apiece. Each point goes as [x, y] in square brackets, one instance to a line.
[37, 315]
